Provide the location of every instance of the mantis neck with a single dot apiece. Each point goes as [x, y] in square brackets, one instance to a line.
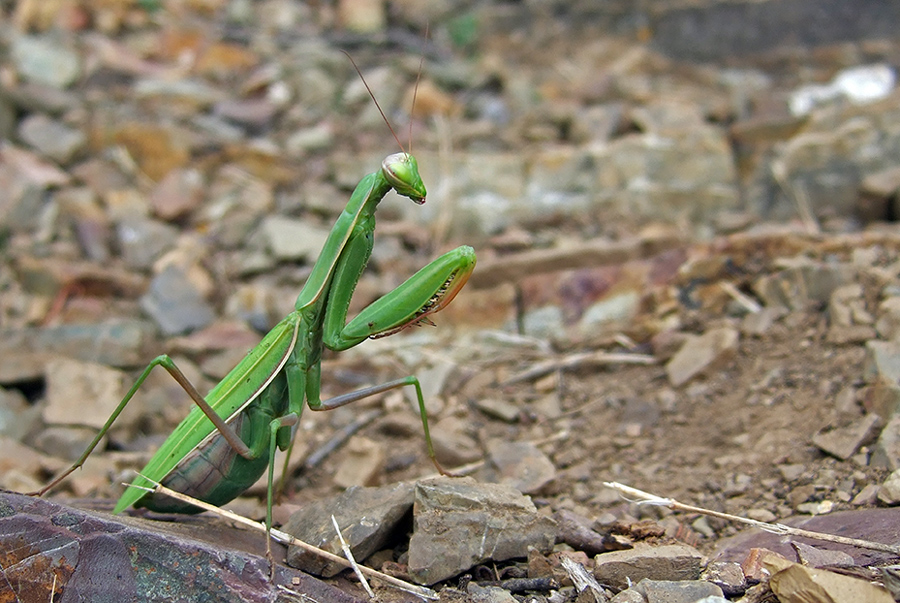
[361, 208]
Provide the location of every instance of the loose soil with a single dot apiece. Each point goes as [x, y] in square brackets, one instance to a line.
[716, 442]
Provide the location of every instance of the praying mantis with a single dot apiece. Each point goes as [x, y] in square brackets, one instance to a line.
[228, 439]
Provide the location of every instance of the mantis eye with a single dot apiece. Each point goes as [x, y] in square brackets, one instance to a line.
[402, 172]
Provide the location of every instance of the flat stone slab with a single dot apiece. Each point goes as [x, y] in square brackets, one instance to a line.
[458, 523]
[878, 525]
[670, 562]
[368, 518]
[95, 556]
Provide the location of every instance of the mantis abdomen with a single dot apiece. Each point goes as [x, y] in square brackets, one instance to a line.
[214, 471]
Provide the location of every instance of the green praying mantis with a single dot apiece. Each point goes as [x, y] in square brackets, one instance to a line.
[228, 440]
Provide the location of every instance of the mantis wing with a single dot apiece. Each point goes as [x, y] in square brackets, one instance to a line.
[238, 389]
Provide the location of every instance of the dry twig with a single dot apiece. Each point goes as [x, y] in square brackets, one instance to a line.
[578, 360]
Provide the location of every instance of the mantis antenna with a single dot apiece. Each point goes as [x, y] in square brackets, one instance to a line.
[366, 84]
[412, 109]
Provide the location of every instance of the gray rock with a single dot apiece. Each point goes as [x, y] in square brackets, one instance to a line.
[23, 201]
[368, 517]
[175, 304]
[860, 84]
[668, 117]
[677, 591]
[846, 306]
[43, 60]
[669, 562]
[759, 323]
[849, 320]
[361, 463]
[317, 88]
[66, 442]
[34, 96]
[558, 182]
[888, 323]
[80, 206]
[183, 90]
[727, 575]
[113, 343]
[887, 449]
[829, 158]
[882, 398]
[292, 240]
[17, 417]
[104, 178]
[142, 240]
[702, 353]
[488, 188]
[544, 322]
[840, 335]
[889, 493]
[843, 441]
[20, 465]
[867, 496]
[433, 380]
[818, 557]
[489, 594]
[52, 138]
[254, 114]
[629, 595]
[663, 177]
[619, 307]
[499, 409]
[802, 282]
[309, 140]
[452, 445]
[177, 194]
[459, 523]
[883, 184]
[217, 128]
[81, 393]
[882, 361]
[520, 465]
[598, 123]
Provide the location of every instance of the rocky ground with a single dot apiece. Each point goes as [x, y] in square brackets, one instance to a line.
[686, 282]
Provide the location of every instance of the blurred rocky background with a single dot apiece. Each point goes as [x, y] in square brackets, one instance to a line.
[684, 213]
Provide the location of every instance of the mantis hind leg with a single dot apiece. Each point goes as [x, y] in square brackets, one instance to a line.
[167, 363]
[343, 399]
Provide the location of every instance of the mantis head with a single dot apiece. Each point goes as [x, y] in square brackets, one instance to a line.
[402, 172]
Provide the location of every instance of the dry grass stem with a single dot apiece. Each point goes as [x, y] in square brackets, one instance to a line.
[349, 555]
[748, 303]
[775, 528]
[285, 538]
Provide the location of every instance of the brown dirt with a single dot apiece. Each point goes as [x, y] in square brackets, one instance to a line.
[716, 442]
